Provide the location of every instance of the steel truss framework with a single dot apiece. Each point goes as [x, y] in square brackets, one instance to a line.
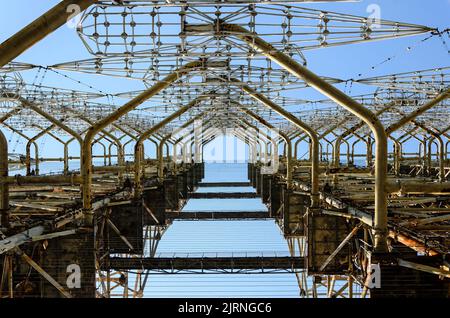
[212, 61]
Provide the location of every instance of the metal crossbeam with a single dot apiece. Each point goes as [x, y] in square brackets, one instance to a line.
[263, 264]
[222, 195]
[218, 215]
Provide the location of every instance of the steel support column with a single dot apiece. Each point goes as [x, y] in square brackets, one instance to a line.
[304, 127]
[36, 155]
[284, 136]
[380, 218]
[39, 29]
[4, 189]
[86, 152]
[139, 147]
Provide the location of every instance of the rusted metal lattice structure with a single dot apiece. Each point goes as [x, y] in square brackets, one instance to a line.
[231, 65]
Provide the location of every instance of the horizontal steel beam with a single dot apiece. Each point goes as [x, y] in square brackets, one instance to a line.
[205, 263]
[225, 215]
[222, 195]
[51, 179]
[40, 28]
[417, 187]
[224, 184]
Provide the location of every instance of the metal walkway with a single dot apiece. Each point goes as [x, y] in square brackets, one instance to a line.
[254, 264]
[218, 215]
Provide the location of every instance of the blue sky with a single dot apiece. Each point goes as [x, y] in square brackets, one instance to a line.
[64, 45]
[343, 62]
[206, 238]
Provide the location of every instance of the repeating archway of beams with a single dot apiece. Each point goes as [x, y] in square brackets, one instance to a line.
[183, 34]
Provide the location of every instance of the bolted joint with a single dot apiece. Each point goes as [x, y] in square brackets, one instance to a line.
[380, 240]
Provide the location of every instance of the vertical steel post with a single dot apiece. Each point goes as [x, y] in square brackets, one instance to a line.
[4, 190]
[314, 153]
[139, 147]
[86, 151]
[380, 218]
